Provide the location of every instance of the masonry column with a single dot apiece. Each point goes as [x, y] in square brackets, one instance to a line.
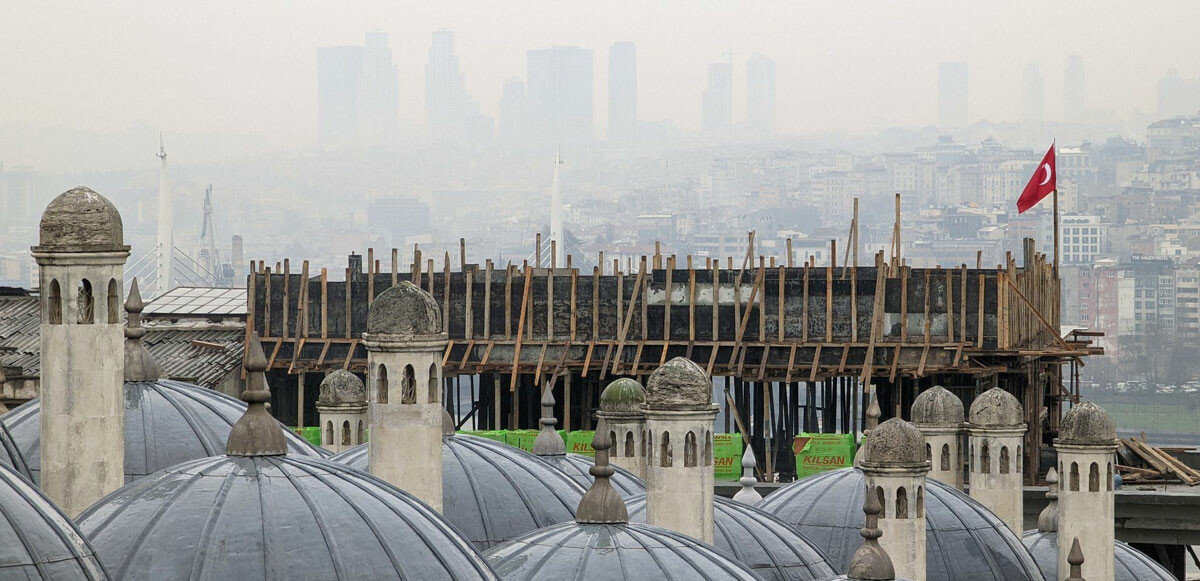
[679, 436]
[342, 405]
[405, 343]
[894, 463]
[939, 415]
[996, 431]
[621, 407]
[81, 254]
[1086, 445]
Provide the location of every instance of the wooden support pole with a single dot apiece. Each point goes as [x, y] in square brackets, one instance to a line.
[395, 266]
[628, 319]
[349, 295]
[528, 274]
[574, 290]
[716, 304]
[324, 303]
[287, 276]
[508, 276]
[370, 276]
[829, 303]
[594, 334]
[487, 298]
[266, 332]
[668, 287]
[782, 302]
[691, 301]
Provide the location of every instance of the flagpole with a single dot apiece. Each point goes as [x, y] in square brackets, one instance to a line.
[1057, 247]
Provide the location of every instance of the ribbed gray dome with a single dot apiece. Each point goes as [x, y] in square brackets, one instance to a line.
[937, 406]
[593, 552]
[576, 466]
[274, 517]
[494, 492]
[166, 422]
[40, 542]
[1131, 564]
[964, 540]
[10, 454]
[770, 547]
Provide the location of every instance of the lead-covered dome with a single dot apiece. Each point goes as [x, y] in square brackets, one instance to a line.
[592, 552]
[937, 406]
[770, 547]
[1131, 564]
[964, 540]
[166, 422]
[996, 408]
[576, 467]
[1087, 424]
[80, 220]
[494, 492]
[679, 384]
[404, 309]
[274, 517]
[40, 542]
[342, 387]
[10, 454]
[625, 396]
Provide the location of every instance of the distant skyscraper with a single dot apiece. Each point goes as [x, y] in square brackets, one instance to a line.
[559, 93]
[379, 93]
[622, 92]
[338, 72]
[512, 125]
[760, 94]
[718, 98]
[952, 95]
[1033, 94]
[1073, 90]
[1178, 96]
[445, 90]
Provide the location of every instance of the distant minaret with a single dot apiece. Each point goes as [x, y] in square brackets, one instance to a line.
[164, 278]
[556, 225]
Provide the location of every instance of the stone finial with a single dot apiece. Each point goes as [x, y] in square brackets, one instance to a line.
[602, 504]
[624, 395]
[548, 442]
[996, 408]
[679, 384]
[870, 562]
[748, 495]
[256, 433]
[937, 406]
[1088, 424]
[342, 387]
[1075, 560]
[404, 309]
[873, 413]
[80, 220]
[1048, 519]
[139, 364]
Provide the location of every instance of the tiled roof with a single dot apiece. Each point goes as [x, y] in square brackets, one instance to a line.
[196, 355]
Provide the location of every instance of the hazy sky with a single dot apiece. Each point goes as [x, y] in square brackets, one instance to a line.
[249, 66]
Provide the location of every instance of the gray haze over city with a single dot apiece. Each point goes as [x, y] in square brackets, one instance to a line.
[327, 128]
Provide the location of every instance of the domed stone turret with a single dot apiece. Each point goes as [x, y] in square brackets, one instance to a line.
[679, 384]
[1087, 423]
[404, 309]
[996, 408]
[80, 220]
[341, 386]
[623, 396]
[937, 406]
[895, 443]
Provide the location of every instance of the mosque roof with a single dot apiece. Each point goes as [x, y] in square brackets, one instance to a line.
[494, 492]
[964, 540]
[1131, 564]
[40, 541]
[576, 466]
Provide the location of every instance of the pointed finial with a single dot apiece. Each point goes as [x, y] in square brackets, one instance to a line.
[139, 364]
[256, 433]
[870, 562]
[1048, 519]
[1075, 560]
[873, 414]
[602, 504]
[748, 495]
[548, 442]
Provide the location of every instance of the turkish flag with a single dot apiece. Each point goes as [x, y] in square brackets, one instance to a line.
[1043, 182]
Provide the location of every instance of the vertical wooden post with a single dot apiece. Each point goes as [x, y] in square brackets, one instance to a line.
[395, 266]
[324, 303]
[370, 276]
[667, 301]
[287, 275]
[349, 294]
[267, 303]
[489, 267]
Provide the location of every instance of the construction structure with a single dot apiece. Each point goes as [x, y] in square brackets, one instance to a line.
[791, 347]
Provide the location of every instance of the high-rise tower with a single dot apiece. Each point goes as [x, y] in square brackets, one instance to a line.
[718, 98]
[445, 90]
[622, 92]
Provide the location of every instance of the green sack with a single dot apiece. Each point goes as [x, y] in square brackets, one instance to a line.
[522, 439]
[580, 442]
[820, 452]
[497, 435]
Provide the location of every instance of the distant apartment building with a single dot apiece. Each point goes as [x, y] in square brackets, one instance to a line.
[622, 92]
[1083, 239]
[718, 98]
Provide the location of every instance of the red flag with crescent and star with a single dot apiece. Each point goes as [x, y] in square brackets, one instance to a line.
[1042, 184]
